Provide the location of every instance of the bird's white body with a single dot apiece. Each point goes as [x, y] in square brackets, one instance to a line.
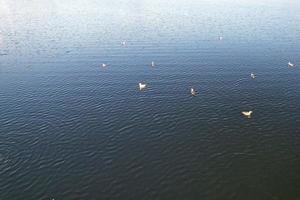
[104, 65]
[124, 43]
[220, 38]
[252, 75]
[193, 92]
[142, 86]
[247, 113]
[152, 63]
[291, 64]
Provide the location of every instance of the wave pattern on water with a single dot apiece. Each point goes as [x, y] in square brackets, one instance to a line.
[71, 129]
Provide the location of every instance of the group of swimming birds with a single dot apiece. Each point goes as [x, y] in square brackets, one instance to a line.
[193, 91]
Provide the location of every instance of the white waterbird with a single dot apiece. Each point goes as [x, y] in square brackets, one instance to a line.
[142, 86]
[247, 113]
[152, 64]
[291, 64]
[193, 92]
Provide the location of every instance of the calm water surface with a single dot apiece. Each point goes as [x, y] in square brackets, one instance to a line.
[70, 129]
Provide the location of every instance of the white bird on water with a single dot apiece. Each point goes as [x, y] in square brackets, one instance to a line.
[152, 64]
[104, 65]
[252, 75]
[193, 92]
[124, 43]
[247, 113]
[291, 64]
[142, 86]
[220, 38]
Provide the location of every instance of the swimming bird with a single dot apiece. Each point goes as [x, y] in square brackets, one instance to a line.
[124, 43]
[104, 65]
[152, 64]
[291, 64]
[220, 38]
[142, 86]
[193, 92]
[247, 113]
[252, 75]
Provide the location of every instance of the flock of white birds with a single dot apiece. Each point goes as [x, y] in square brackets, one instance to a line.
[193, 91]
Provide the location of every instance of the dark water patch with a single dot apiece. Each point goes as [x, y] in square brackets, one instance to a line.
[71, 129]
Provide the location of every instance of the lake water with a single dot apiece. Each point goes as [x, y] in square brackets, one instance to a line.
[71, 129]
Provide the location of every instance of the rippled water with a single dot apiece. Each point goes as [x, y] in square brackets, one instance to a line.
[70, 129]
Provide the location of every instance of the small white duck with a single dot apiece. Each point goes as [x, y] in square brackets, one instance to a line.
[104, 65]
[193, 92]
[247, 113]
[142, 86]
[152, 64]
[291, 64]
[124, 43]
[252, 75]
